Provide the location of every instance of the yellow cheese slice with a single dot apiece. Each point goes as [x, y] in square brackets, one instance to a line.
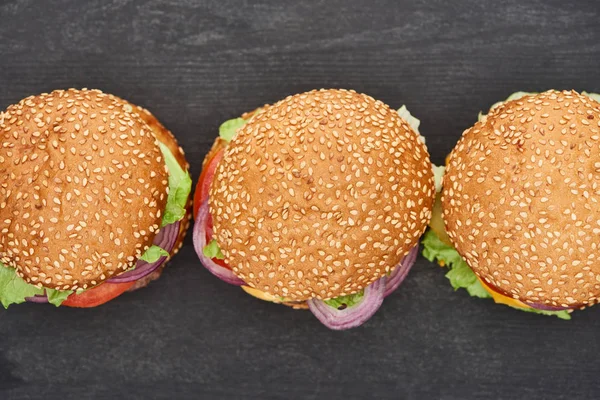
[502, 299]
[262, 295]
[437, 223]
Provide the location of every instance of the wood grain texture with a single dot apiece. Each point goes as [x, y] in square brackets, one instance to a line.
[195, 64]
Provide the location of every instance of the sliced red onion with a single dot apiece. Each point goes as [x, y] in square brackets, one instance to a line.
[354, 316]
[545, 307]
[400, 271]
[38, 298]
[199, 238]
[165, 239]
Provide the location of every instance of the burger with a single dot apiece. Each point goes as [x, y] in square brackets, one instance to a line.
[316, 202]
[518, 219]
[94, 198]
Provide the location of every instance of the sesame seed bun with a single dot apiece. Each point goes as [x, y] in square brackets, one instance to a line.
[166, 137]
[83, 189]
[321, 194]
[520, 199]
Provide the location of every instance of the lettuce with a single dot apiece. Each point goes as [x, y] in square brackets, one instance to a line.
[56, 297]
[153, 254]
[518, 95]
[180, 186]
[343, 302]
[438, 174]
[514, 96]
[461, 276]
[407, 116]
[594, 96]
[559, 314]
[212, 250]
[13, 289]
[413, 122]
[228, 128]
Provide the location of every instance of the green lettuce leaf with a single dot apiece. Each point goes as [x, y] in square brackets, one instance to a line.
[153, 254]
[559, 314]
[461, 276]
[518, 95]
[514, 96]
[180, 186]
[594, 96]
[13, 289]
[408, 117]
[438, 174]
[212, 250]
[434, 248]
[56, 297]
[343, 302]
[228, 128]
[413, 122]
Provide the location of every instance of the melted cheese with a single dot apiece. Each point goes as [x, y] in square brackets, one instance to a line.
[502, 299]
[262, 295]
[437, 223]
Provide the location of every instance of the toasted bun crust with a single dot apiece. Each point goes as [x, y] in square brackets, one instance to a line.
[520, 199]
[321, 194]
[83, 188]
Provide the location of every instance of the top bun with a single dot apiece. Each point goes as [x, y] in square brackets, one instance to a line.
[521, 195]
[321, 194]
[83, 188]
[166, 137]
[159, 131]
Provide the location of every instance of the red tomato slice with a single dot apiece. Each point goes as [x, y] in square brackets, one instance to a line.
[201, 194]
[209, 231]
[205, 180]
[97, 295]
[221, 263]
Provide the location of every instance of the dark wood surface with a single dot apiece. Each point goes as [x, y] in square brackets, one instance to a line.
[195, 64]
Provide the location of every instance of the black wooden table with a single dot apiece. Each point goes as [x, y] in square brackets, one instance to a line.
[196, 64]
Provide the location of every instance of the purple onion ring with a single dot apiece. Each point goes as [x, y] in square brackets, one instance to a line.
[545, 307]
[38, 298]
[354, 316]
[199, 239]
[400, 272]
[165, 239]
